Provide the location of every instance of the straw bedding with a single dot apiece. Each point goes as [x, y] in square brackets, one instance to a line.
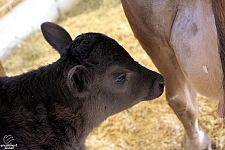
[150, 125]
[7, 5]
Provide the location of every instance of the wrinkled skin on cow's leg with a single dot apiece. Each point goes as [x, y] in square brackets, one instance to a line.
[185, 107]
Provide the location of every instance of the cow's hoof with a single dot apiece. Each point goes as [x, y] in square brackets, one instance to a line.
[201, 142]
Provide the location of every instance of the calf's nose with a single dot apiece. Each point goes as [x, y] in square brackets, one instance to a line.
[161, 82]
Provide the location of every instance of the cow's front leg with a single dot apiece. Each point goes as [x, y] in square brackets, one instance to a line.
[182, 99]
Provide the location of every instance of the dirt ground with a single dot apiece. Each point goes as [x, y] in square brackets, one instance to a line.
[150, 125]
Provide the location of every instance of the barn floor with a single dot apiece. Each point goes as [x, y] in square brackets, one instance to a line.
[150, 125]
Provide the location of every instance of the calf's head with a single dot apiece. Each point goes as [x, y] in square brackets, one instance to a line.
[101, 74]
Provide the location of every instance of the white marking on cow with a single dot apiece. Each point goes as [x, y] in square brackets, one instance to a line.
[196, 125]
[205, 69]
[200, 133]
[173, 97]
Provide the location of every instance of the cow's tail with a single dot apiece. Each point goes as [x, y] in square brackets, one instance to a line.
[218, 7]
[2, 72]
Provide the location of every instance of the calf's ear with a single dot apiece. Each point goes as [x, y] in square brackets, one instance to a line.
[78, 79]
[56, 36]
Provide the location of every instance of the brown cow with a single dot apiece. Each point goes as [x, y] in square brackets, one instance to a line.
[181, 39]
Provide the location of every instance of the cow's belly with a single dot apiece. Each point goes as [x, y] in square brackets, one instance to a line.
[194, 40]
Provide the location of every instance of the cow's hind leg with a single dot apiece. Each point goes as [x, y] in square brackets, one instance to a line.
[182, 99]
[181, 96]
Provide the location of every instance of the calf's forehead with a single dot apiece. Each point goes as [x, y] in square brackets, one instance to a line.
[96, 49]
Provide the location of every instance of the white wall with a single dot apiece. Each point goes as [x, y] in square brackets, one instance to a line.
[27, 18]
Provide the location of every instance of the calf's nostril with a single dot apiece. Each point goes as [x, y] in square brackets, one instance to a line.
[161, 84]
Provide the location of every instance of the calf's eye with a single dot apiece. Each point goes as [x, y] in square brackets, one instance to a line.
[121, 79]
